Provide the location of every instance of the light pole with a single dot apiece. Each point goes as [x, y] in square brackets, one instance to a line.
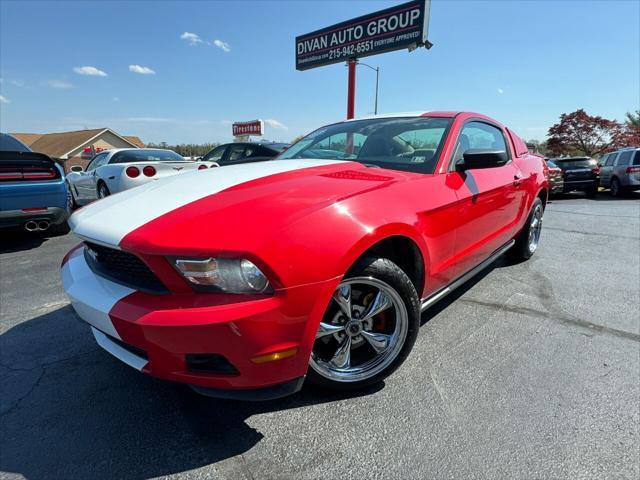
[377, 70]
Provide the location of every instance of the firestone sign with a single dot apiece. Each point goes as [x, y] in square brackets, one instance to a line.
[395, 28]
[254, 127]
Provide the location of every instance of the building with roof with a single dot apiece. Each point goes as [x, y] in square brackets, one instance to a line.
[74, 148]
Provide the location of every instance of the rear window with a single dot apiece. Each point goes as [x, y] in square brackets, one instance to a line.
[145, 155]
[636, 158]
[575, 163]
[10, 144]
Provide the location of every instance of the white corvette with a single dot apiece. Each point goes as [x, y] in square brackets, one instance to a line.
[120, 169]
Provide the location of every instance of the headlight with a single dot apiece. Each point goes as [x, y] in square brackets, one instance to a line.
[222, 274]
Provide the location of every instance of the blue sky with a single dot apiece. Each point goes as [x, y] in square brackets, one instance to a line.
[522, 62]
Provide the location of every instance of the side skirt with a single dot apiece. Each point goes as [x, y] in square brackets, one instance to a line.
[433, 298]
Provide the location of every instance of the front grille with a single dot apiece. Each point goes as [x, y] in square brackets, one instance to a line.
[122, 267]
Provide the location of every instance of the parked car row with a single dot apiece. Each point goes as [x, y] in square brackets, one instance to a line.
[245, 281]
[37, 196]
[617, 171]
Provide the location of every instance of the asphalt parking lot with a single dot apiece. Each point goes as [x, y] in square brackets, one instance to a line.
[529, 371]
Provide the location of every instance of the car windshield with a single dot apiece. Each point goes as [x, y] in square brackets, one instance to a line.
[550, 164]
[133, 156]
[410, 144]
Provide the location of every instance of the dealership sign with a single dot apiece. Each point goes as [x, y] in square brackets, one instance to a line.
[254, 127]
[395, 28]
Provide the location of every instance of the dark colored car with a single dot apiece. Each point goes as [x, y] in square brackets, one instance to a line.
[33, 192]
[579, 173]
[556, 180]
[244, 152]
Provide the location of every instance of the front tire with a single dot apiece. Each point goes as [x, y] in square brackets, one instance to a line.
[103, 190]
[368, 329]
[528, 239]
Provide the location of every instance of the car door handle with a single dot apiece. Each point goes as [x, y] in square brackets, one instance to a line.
[517, 179]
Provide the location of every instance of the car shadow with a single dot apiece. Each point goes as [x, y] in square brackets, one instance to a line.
[14, 240]
[441, 305]
[70, 410]
[602, 196]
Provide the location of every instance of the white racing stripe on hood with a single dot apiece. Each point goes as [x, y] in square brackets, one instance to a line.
[109, 220]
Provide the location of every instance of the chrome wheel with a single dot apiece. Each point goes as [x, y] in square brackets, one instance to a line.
[535, 228]
[362, 331]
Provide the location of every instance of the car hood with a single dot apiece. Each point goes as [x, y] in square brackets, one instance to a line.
[190, 212]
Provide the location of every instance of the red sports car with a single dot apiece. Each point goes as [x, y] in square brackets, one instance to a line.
[244, 281]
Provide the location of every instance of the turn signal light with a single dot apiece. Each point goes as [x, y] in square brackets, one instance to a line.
[272, 357]
[132, 172]
[202, 167]
[149, 171]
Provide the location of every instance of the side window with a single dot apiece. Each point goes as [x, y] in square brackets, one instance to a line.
[624, 158]
[249, 151]
[479, 135]
[215, 155]
[97, 161]
[636, 158]
[610, 158]
[603, 160]
[235, 153]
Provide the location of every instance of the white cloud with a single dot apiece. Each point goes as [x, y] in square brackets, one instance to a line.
[91, 71]
[4, 99]
[500, 91]
[141, 70]
[191, 38]
[275, 124]
[17, 83]
[115, 99]
[222, 45]
[59, 84]
[226, 122]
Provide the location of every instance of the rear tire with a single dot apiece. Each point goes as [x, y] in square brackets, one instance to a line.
[103, 190]
[354, 350]
[614, 189]
[60, 229]
[528, 239]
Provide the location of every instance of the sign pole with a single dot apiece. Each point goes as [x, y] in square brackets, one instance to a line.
[351, 89]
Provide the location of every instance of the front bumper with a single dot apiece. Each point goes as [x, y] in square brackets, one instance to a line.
[17, 218]
[155, 333]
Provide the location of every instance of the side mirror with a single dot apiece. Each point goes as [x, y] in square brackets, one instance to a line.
[76, 168]
[483, 158]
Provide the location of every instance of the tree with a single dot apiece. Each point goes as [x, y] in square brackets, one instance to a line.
[579, 133]
[633, 119]
[536, 146]
[630, 134]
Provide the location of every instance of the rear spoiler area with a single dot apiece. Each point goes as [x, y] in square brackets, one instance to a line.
[27, 166]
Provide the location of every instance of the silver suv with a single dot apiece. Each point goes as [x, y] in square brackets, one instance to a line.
[620, 171]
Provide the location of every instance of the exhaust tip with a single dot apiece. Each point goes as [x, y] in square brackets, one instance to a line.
[43, 224]
[31, 226]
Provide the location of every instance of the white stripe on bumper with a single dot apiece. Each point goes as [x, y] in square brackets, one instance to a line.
[110, 219]
[117, 351]
[91, 296]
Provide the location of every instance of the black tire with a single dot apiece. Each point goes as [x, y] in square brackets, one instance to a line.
[103, 190]
[615, 189]
[388, 272]
[72, 204]
[591, 192]
[521, 249]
